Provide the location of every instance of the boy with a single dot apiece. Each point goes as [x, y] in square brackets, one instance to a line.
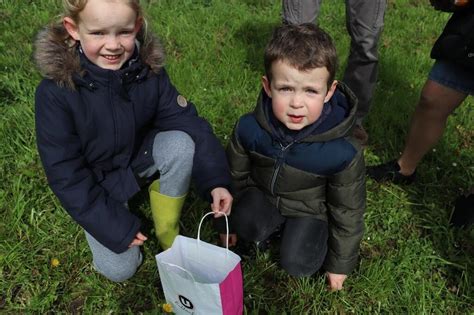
[293, 161]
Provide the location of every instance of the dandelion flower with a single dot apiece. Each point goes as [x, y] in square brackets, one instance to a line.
[167, 308]
[54, 262]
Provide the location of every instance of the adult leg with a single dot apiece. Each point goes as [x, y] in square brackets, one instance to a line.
[436, 103]
[304, 246]
[447, 86]
[115, 267]
[364, 22]
[253, 217]
[300, 11]
[173, 153]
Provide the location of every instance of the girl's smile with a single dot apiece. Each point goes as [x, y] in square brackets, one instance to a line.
[106, 31]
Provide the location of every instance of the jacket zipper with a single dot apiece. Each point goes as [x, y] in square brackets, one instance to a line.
[114, 115]
[278, 164]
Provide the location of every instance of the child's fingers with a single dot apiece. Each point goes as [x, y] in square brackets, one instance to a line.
[218, 214]
[215, 208]
[135, 242]
[138, 240]
[232, 240]
[227, 206]
[141, 237]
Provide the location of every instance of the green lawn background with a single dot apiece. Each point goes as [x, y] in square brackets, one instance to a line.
[411, 260]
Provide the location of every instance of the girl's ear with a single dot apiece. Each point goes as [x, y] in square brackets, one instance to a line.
[138, 25]
[331, 91]
[266, 86]
[71, 27]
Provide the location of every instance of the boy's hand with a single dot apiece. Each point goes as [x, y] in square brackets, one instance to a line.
[138, 240]
[335, 281]
[232, 239]
[221, 202]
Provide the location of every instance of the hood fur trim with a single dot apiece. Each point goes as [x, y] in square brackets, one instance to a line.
[56, 57]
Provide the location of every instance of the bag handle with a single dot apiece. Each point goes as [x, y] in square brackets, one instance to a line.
[180, 268]
[226, 226]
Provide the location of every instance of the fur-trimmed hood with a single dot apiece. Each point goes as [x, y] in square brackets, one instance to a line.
[57, 58]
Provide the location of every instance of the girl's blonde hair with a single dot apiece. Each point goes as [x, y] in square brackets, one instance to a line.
[72, 8]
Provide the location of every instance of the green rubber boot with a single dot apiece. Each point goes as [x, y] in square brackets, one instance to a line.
[166, 212]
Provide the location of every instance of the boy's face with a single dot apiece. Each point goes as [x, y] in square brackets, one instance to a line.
[107, 31]
[297, 96]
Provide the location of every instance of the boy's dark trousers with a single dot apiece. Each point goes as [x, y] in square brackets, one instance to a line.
[303, 239]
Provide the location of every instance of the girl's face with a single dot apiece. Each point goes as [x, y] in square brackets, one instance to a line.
[106, 30]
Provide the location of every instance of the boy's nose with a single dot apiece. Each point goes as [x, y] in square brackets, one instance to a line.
[296, 101]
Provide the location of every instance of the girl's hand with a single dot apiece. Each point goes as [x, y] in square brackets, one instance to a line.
[221, 202]
[138, 240]
[335, 281]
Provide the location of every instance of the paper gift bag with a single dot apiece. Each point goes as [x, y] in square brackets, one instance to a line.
[201, 278]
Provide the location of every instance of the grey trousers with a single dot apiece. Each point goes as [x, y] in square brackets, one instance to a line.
[173, 153]
[364, 23]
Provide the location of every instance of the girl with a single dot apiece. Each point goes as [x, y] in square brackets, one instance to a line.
[108, 121]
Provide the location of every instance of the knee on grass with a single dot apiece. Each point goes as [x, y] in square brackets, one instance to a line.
[117, 272]
[300, 266]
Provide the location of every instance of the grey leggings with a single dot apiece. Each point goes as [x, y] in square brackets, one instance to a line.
[173, 153]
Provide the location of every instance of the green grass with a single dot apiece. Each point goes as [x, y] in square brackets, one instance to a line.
[411, 260]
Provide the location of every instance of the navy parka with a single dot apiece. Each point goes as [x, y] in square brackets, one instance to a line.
[94, 137]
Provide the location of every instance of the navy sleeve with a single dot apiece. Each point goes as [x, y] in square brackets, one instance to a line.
[105, 218]
[210, 168]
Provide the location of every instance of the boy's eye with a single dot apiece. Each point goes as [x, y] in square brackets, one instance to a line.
[311, 91]
[127, 32]
[285, 89]
[97, 33]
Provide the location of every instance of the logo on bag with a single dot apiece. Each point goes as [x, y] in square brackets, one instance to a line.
[185, 302]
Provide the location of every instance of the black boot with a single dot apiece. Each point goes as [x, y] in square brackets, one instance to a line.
[389, 172]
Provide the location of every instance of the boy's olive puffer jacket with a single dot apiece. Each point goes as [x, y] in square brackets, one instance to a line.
[321, 175]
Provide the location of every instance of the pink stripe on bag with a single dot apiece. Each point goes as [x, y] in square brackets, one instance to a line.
[232, 293]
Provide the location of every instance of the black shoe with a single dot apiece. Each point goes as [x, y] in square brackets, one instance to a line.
[389, 172]
[263, 246]
[463, 213]
[248, 250]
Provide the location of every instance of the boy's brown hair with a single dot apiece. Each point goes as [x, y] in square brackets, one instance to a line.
[304, 47]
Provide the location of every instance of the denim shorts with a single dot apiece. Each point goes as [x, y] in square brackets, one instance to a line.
[452, 75]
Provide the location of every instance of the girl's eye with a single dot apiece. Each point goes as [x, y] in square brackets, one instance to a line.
[97, 33]
[285, 89]
[127, 32]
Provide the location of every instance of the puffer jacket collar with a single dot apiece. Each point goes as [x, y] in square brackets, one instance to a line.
[58, 58]
[340, 130]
